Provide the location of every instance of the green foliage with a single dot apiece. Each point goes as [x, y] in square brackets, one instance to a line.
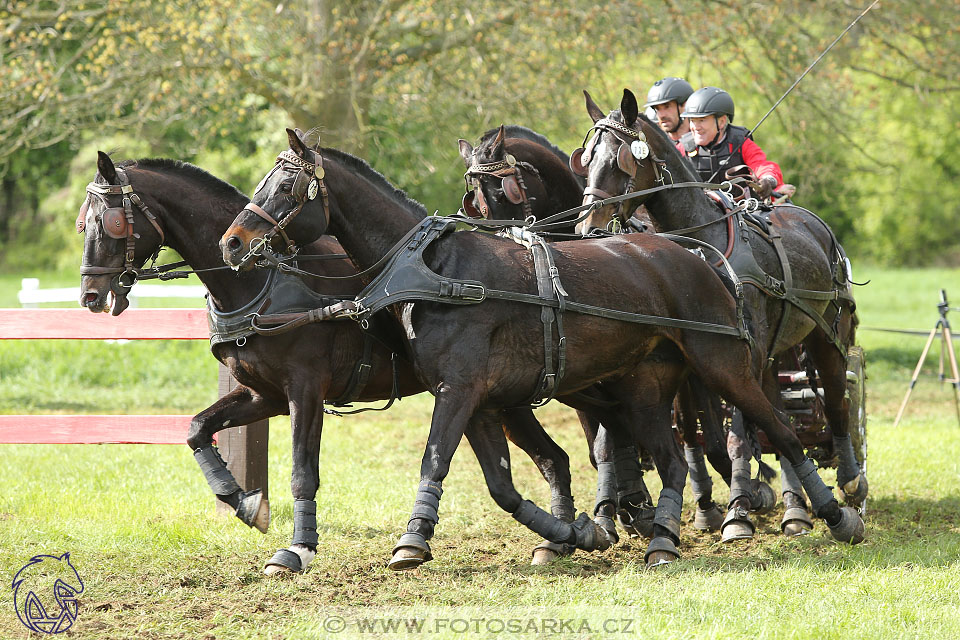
[865, 136]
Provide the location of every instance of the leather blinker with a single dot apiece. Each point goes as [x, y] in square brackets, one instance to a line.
[469, 205]
[82, 217]
[626, 161]
[576, 162]
[114, 222]
[512, 190]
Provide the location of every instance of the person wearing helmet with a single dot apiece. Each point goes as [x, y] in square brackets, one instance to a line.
[721, 145]
[667, 98]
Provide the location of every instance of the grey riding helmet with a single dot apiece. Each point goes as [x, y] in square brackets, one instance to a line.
[676, 89]
[709, 101]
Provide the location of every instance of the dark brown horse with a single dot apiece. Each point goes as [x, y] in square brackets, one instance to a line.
[478, 358]
[514, 173]
[798, 261]
[293, 373]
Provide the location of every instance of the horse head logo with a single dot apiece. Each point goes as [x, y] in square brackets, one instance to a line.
[45, 593]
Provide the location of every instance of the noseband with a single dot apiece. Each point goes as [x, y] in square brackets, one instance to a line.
[632, 151]
[306, 185]
[117, 223]
[512, 185]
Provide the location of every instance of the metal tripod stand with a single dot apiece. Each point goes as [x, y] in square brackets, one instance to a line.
[946, 346]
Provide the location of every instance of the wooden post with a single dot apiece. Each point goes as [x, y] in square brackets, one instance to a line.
[244, 448]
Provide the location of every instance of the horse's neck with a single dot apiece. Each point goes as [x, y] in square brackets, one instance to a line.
[366, 220]
[676, 209]
[194, 232]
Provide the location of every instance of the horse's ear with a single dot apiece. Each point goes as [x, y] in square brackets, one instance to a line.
[106, 168]
[296, 142]
[595, 112]
[629, 108]
[496, 147]
[466, 152]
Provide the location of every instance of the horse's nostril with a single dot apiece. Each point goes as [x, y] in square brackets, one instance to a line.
[234, 244]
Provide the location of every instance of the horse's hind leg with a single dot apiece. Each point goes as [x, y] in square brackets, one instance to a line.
[832, 369]
[695, 402]
[241, 406]
[728, 371]
[525, 431]
[306, 424]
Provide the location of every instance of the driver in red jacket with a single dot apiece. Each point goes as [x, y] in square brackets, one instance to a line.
[721, 145]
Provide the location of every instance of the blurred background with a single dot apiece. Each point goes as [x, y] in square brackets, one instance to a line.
[869, 137]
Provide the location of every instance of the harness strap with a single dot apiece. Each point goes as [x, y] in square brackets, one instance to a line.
[257, 209]
[361, 375]
[777, 240]
[549, 288]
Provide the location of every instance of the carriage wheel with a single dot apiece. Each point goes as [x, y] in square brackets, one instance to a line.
[857, 391]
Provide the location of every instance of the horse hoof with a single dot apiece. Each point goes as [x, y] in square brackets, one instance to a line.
[406, 558]
[796, 522]
[708, 519]
[261, 521]
[590, 536]
[737, 525]
[546, 552]
[850, 528]
[764, 498]
[605, 524]
[855, 492]
[661, 552]
[411, 551]
[293, 559]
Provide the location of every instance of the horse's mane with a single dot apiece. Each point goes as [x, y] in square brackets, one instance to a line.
[516, 131]
[360, 166]
[207, 180]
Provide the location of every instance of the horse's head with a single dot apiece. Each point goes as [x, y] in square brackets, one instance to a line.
[622, 153]
[502, 179]
[120, 234]
[290, 207]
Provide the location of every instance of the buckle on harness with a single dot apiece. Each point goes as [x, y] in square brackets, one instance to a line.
[462, 291]
[777, 287]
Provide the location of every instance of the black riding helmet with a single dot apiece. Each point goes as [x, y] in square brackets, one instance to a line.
[709, 101]
[676, 89]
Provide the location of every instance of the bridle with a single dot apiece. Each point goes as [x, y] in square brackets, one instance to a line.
[117, 223]
[633, 150]
[307, 184]
[512, 185]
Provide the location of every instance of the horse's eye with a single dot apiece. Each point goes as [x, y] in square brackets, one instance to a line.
[285, 187]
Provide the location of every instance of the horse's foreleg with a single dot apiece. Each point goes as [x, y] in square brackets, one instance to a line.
[239, 407]
[525, 431]
[306, 426]
[452, 410]
[737, 524]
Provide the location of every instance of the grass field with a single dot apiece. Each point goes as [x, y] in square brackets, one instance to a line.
[157, 562]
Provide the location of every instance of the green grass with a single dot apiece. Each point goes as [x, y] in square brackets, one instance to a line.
[158, 562]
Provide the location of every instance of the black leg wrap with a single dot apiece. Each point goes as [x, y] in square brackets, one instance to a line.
[847, 466]
[740, 484]
[541, 522]
[606, 485]
[819, 493]
[428, 502]
[305, 523]
[789, 482]
[700, 481]
[668, 512]
[629, 475]
[562, 508]
[215, 470]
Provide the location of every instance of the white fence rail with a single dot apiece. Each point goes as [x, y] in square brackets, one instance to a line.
[30, 294]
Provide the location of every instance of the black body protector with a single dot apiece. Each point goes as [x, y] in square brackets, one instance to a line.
[720, 156]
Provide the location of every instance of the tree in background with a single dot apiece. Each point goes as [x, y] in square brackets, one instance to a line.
[398, 81]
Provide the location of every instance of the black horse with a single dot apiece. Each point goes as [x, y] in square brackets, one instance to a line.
[514, 173]
[293, 373]
[480, 358]
[799, 290]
